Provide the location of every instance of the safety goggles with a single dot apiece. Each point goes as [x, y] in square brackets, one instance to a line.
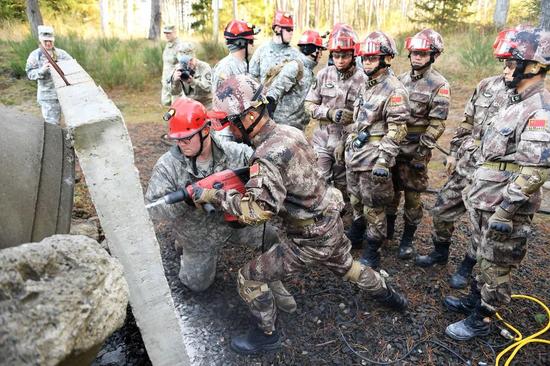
[370, 58]
[417, 44]
[420, 53]
[510, 64]
[369, 48]
[503, 48]
[341, 43]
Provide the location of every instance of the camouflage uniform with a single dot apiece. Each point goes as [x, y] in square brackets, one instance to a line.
[515, 153]
[46, 94]
[331, 90]
[289, 89]
[200, 86]
[198, 235]
[270, 55]
[382, 110]
[488, 98]
[284, 182]
[169, 63]
[429, 97]
[226, 67]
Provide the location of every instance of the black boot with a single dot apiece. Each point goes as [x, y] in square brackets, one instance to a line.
[439, 255]
[471, 327]
[356, 232]
[393, 299]
[465, 304]
[390, 228]
[256, 341]
[406, 249]
[370, 256]
[460, 278]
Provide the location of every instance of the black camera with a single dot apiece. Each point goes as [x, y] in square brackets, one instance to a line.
[186, 72]
[361, 139]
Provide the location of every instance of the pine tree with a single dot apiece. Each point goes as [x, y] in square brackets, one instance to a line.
[441, 13]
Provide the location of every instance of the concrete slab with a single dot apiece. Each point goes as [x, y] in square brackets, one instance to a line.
[106, 157]
[67, 186]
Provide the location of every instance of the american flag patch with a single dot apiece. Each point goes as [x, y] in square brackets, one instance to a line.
[535, 124]
[254, 170]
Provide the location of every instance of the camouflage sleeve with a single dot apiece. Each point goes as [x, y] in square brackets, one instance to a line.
[176, 87]
[464, 130]
[396, 114]
[203, 82]
[439, 110]
[264, 196]
[533, 155]
[63, 55]
[237, 154]
[254, 65]
[33, 67]
[313, 101]
[215, 78]
[284, 81]
[162, 182]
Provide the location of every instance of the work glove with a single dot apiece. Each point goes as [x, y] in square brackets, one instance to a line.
[339, 152]
[450, 164]
[203, 195]
[380, 171]
[340, 116]
[500, 225]
[271, 106]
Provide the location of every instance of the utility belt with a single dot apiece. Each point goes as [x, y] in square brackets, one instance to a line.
[502, 166]
[413, 130]
[305, 222]
[363, 137]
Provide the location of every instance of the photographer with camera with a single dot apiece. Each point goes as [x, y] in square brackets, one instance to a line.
[192, 77]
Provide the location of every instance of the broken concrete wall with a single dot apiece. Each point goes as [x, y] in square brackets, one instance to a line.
[105, 154]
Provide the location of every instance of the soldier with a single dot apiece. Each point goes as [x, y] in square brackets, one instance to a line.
[330, 101]
[488, 98]
[278, 49]
[381, 115]
[196, 155]
[192, 77]
[169, 62]
[38, 68]
[284, 182]
[506, 188]
[290, 82]
[429, 97]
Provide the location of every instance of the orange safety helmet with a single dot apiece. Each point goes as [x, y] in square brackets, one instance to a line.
[239, 29]
[186, 117]
[283, 19]
[311, 37]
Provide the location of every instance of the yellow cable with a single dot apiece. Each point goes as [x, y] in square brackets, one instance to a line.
[516, 346]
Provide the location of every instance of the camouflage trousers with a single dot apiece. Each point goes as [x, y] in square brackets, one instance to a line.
[370, 199]
[325, 139]
[322, 243]
[449, 207]
[498, 258]
[166, 94]
[412, 182]
[51, 110]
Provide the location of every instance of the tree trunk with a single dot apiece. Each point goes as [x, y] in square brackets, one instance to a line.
[501, 12]
[545, 14]
[215, 20]
[235, 13]
[34, 16]
[104, 15]
[154, 26]
[317, 14]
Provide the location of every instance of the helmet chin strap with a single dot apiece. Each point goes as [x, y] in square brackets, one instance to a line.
[245, 132]
[418, 68]
[381, 64]
[519, 74]
[194, 157]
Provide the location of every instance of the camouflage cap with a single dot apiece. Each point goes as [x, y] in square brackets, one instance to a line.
[186, 48]
[168, 28]
[237, 94]
[45, 33]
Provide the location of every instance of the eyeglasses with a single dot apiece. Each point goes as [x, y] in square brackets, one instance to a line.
[370, 58]
[341, 55]
[510, 64]
[420, 53]
[185, 139]
[288, 29]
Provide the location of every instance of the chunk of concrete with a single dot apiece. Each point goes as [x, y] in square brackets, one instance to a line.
[105, 154]
[59, 299]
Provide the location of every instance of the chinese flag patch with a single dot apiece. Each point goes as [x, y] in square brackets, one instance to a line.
[535, 124]
[396, 100]
[444, 92]
[254, 170]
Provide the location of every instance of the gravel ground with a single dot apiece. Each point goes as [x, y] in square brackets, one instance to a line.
[335, 323]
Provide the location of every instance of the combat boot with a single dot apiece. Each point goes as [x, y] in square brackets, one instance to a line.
[464, 304]
[473, 326]
[283, 299]
[393, 299]
[356, 232]
[406, 248]
[256, 341]
[459, 279]
[439, 255]
[370, 256]
[390, 226]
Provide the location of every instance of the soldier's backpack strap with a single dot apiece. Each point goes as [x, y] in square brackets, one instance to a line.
[275, 70]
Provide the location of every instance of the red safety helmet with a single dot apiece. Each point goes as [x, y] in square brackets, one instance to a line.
[311, 37]
[186, 117]
[425, 40]
[283, 19]
[342, 38]
[239, 29]
[377, 43]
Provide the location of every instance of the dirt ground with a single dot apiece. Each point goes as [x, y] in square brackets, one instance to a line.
[335, 323]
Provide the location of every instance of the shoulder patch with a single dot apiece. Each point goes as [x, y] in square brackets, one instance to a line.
[396, 100]
[254, 170]
[444, 92]
[537, 124]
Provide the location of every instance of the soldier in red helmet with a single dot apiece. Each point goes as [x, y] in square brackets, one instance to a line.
[195, 155]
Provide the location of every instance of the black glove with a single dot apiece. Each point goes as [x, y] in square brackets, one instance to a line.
[271, 106]
[380, 171]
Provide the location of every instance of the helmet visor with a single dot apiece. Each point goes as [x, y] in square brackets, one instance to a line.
[369, 48]
[417, 44]
[503, 48]
[341, 43]
[218, 120]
